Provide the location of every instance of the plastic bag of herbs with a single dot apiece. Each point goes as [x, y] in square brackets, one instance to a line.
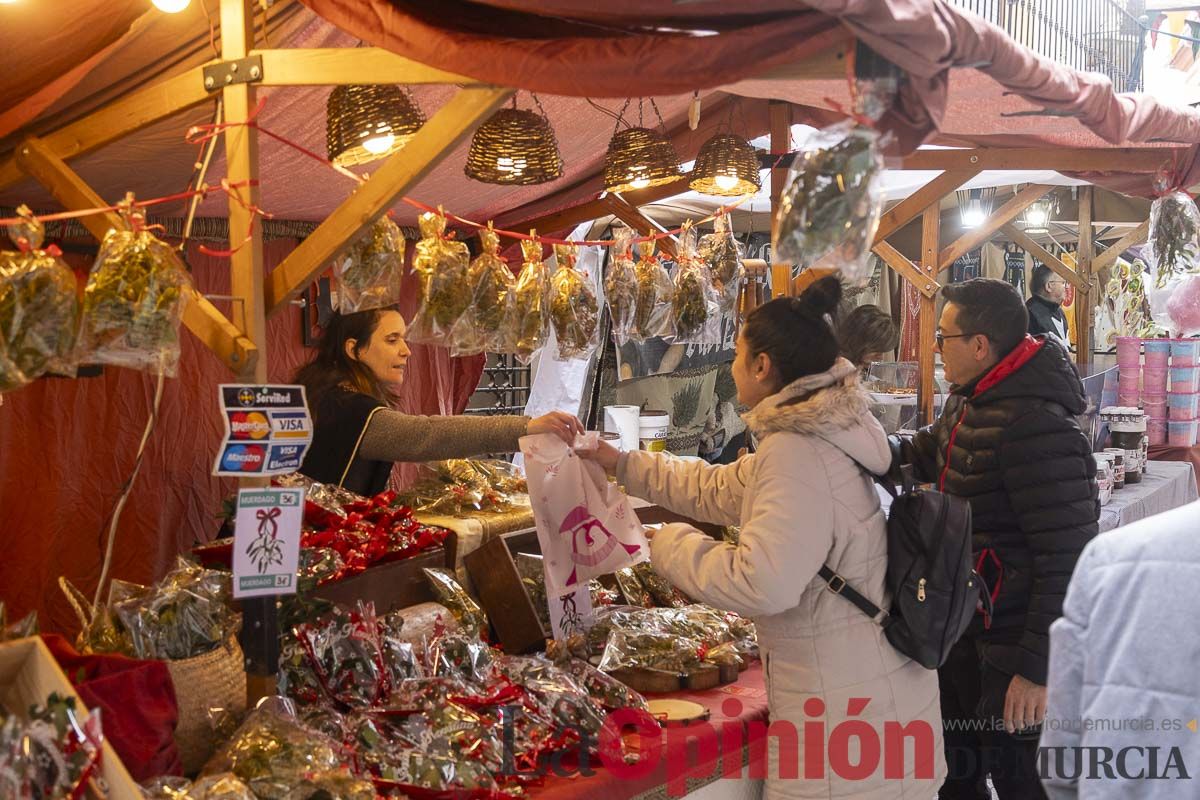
[723, 254]
[574, 310]
[694, 306]
[830, 207]
[486, 327]
[134, 300]
[621, 286]
[369, 273]
[51, 754]
[1174, 239]
[39, 308]
[652, 312]
[530, 308]
[441, 265]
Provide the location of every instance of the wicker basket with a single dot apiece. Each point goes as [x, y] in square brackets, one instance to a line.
[216, 679]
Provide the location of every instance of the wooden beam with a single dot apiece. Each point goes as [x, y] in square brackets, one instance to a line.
[828, 64]
[349, 66]
[1096, 159]
[200, 316]
[119, 118]
[1045, 256]
[925, 284]
[241, 157]
[931, 222]
[596, 207]
[915, 204]
[635, 219]
[999, 218]
[400, 172]
[780, 114]
[1105, 260]
[1083, 265]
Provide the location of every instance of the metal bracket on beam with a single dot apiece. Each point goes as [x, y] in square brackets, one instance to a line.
[227, 73]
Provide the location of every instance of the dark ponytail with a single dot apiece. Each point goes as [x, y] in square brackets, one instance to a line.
[794, 331]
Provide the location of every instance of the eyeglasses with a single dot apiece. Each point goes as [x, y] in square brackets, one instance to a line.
[941, 338]
[1056, 283]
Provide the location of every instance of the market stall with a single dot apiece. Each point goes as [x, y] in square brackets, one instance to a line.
[386, 703]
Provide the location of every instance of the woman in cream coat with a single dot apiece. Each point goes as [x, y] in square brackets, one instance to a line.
[802, 501]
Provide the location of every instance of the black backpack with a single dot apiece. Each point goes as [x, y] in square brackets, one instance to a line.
[935, 590]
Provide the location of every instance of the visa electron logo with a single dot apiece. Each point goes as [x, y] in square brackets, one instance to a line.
[243, 458]
[249, 425]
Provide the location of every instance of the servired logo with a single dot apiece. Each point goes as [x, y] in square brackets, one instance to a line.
[244, 458]
[249, 425]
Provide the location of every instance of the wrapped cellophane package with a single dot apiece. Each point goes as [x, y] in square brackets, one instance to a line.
[441, 265]
[369, 274]
[486, 327]
[621, 286]
[574, 310]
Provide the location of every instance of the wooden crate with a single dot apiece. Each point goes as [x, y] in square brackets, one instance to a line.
[28, 675]
[493, 570]
[391, 586]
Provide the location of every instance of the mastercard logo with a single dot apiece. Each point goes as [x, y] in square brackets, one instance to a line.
[249, 425]
[243, 458]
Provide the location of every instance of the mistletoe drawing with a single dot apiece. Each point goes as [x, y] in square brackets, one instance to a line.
[266, 549]
[581, 526]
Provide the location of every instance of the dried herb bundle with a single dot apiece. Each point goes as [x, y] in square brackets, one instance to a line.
[574, 310]
[484, 328]
[1174, 236]
[621, 286]
[442, 266]
[724, 257]
[370, 273]
[690, 301]
[832, 201]
[39, 317]
[529, 307]
[133, 302]
[654, 292]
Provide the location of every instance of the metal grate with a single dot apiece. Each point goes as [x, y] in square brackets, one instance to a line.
[503, 389]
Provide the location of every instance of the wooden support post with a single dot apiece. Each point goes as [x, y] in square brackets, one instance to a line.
[1084, 296]
[931, 223]
[437, 137]
[999, 218]
[1045, 256]
[635, 219]
[925, 284]
[912, 206]
[35, 158]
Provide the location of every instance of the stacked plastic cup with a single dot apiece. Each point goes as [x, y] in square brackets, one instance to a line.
[1154, 370]
[1182, 433]
[1185, 352]
[1183, 401]
[1129, 370]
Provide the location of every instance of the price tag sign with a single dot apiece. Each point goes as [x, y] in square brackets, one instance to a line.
[266, 542]
[267, 430]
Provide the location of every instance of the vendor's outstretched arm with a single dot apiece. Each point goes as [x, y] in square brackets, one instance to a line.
[704, 492]
[392, 436]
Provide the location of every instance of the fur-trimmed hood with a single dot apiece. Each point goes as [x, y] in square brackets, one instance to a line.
[836, 409]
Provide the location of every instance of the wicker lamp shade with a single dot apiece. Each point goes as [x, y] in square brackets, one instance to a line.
[638, 158]
[515, 147]
[366, 123]
[726, 166]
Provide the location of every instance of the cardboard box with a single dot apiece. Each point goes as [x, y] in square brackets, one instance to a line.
[28, 675]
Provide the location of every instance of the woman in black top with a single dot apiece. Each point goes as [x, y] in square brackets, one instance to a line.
[359, 365]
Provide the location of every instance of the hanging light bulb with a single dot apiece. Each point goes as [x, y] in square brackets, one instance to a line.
[726, 182]
[639, 183]
[725, 166]
[366, 123]
[379, 143]
[167, 6]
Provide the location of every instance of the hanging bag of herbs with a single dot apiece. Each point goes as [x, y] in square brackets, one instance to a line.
[724, 255]
[652, 314]
[830, 207]
[39, 308]
[694, 306]
[369, 274]
[530, 309]
[134, 300]
[574, 310]
[484, 327]
[621, 286]
[441, 265]
[1173, 256]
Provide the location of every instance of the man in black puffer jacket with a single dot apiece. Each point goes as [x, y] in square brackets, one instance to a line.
[1008, 442]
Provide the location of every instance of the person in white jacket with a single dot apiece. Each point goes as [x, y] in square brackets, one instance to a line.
[802, 500]
[1123, 693]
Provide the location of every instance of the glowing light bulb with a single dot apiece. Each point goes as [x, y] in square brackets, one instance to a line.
[639, 183]
[171, 6]
[726, 182]
[516, 166]
[379, 144]
[1035, 217]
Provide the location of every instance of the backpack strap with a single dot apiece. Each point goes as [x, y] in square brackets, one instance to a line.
[838, 585]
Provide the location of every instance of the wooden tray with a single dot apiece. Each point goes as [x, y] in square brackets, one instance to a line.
[652, 681]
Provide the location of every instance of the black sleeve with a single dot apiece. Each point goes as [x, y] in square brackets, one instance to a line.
[918, 450]
[1050, 477]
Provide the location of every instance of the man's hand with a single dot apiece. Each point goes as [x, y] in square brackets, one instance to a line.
[1024, 705]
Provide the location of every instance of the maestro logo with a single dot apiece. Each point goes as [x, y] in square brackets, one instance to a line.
[246, 397]
[243, 458]
[249, 425]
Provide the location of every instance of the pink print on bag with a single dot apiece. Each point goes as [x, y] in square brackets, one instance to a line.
[580, 524]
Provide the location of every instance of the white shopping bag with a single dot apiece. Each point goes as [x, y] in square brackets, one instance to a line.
[585, 524]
